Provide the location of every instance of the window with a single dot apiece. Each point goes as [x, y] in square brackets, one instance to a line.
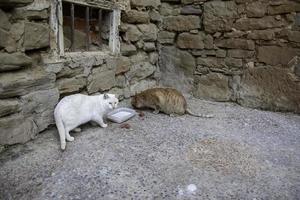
[85, 25]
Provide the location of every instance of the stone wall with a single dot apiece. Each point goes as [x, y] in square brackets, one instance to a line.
[32, 81]
[246, 51]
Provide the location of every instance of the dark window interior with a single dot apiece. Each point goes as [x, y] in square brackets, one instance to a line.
[95, 37]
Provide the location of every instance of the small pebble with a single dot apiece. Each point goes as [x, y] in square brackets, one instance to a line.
[191, 188]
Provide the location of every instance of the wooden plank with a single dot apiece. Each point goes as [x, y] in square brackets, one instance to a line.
[54, 29]
[87, 27]
[104, 4]
[100, 26]
[72, 27]
[61, 46]
[114, 42]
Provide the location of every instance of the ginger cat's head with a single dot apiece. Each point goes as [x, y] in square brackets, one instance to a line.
[137, 101]
[110, 100]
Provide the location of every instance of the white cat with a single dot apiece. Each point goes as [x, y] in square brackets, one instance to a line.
[78, 109]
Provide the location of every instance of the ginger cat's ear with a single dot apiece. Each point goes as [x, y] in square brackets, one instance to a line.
[105, 96]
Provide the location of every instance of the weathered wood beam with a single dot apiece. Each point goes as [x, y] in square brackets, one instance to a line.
[114, 42]
[104, 4]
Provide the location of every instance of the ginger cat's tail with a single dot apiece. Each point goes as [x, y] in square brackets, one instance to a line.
[188, 111]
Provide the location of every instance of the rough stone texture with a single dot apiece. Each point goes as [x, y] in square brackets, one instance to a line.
[140, 71]
[155, 16]
[237, 53]
[101, 81]
[227, 65]
[34, 114]
[271, 88]
[21, 82]
[260, 23]
[9, 106]
[172, 69]
[17, 129]
[286, 7]
[261, 35]
[14, 3]
[213, 86]
[141, 86]
[4, 21]
[149, 32]
[187, 62]
[132, 34]
[275, 55]
[134, 16]
[145, 3]
[168, 10]
[36, 36]
[149, 46]
[7, 41]
[256, 9]
[294, 36]
[40, 105]
[181, 23]
[21, 13]
[71, 85]
[165, 37]
[14, 61]
[190, 41]
[236, 44]
[153, 58]
[123, 65]
[190, 10]
[219, 15]
[128, 49]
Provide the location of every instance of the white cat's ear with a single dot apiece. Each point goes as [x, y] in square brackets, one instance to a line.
[105, 96]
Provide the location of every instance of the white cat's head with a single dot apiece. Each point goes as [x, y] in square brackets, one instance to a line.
[111, 100]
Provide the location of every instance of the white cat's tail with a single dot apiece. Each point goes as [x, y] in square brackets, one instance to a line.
[61, 130]
[188, 111]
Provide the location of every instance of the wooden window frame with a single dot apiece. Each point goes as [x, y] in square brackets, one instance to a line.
[56, 24]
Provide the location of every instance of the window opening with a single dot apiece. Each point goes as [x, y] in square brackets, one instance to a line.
[85, 28]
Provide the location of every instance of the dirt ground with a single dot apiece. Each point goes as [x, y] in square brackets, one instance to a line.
[241, 153]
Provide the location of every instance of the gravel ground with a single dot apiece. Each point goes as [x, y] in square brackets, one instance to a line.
[241, 153]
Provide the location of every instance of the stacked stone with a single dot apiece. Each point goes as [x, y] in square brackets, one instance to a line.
[240, 50]
[132, 71]
[27, 92]
[139, 35]
[32, 81]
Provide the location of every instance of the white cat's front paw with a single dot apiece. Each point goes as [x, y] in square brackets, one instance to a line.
[63, 145]
[103, 125]
[70, 139]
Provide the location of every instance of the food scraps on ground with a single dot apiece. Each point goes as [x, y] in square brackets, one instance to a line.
[126, 125]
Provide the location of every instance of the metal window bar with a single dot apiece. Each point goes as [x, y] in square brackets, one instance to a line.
[87, 27]
[100, 26]
[72, 27]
